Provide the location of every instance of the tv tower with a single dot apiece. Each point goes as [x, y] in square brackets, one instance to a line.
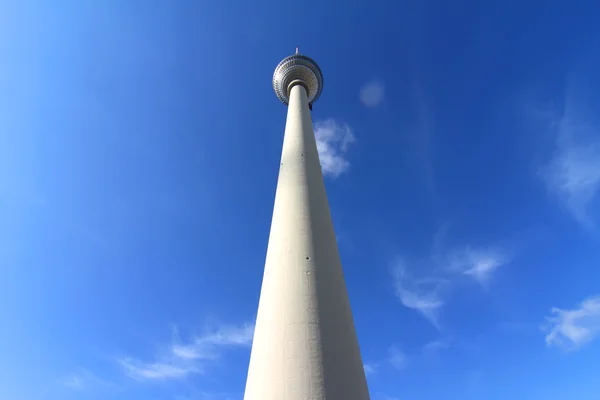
[305, 345]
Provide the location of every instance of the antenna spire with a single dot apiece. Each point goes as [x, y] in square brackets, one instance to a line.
[297, 49]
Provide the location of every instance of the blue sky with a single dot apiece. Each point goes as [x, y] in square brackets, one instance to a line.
[139, 148]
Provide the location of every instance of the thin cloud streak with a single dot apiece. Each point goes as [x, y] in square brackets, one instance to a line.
[428, 292]
[572, 329]
[479, 264]
[370, 369]
[204, 395]
[205, 347]
[183, 359]
[397, 358]
[422, 295]
[573, 173]
[333, 140]
[74, 382]
[160, 370]
[434, 347]
[85, 380]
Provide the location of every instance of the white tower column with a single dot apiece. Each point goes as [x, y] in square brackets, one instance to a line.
[305, 345]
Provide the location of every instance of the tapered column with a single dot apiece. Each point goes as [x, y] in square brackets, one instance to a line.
[305, 345]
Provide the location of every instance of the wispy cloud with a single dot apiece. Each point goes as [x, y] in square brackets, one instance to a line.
[74, 382]
[397, 358]
[208, 346]
[158, 370]
[386, 397]
[434, 347]
[370, 369]
[574, 171]
[371, 94]
[333, 140]
[85, 380]
[424, 295]
[204, 395]
[479, 264]
[424, 285]
[184, 358]
[571, 329]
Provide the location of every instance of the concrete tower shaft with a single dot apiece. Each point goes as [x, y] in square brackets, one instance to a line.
[305, 345]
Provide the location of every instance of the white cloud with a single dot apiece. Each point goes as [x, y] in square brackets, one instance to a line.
[370, 369]
[74, 382]
[400, 360]
[194, 394]
[371, 94]
[574, 171]
[206, 347]
[231, 335]
[433, 347]
[478, 263]
[571, 329]
[333, 140]
[183, 359]
[85, 380]
[422, 295]
[159, 370]
[397, 358]
[383, 396]
[426, 285]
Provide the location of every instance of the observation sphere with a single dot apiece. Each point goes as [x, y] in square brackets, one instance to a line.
[298, 67]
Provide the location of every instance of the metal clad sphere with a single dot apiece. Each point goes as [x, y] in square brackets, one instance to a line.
[300, 67]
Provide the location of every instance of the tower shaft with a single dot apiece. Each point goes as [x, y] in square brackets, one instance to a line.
[305, 345]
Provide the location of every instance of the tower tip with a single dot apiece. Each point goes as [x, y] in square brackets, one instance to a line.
[297, 66]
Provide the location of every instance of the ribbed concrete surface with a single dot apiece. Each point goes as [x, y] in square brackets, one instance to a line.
[305, 345]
